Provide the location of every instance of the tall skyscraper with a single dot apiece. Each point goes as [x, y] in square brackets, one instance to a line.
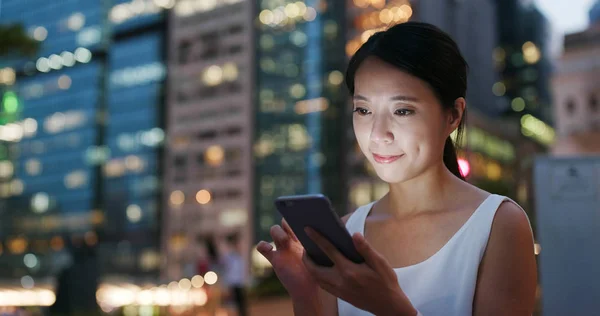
[86, 152]
[208, 163]
[523, 60]
[300, 104]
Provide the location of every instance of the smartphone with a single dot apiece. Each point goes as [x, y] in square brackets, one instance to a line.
[315, 211]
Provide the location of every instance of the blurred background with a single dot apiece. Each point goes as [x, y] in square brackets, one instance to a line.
[142, 142]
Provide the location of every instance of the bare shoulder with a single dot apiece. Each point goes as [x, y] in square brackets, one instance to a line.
[507, 278]
[510, 219]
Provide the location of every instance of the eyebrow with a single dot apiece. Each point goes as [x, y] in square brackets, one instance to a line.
[394, 98]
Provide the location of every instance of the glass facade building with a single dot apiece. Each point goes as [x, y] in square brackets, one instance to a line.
[300, 121]
[523, 60]
[85, 156]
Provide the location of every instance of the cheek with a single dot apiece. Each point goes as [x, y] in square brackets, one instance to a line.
[422, 140]
[362, 133]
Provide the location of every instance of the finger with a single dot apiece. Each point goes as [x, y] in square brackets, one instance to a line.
[327, 247]
[372, 258]
[280, 237]
[265, 249]
[288, 229]
[323, 275]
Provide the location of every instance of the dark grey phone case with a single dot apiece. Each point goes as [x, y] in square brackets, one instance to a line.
[315, 211]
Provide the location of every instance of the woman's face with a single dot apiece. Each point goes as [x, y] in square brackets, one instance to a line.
[399, 123]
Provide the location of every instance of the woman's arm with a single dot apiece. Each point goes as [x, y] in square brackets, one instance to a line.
[323, 304]
[507, 279]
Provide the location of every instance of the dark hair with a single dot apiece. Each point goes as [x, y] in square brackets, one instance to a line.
[428, 53]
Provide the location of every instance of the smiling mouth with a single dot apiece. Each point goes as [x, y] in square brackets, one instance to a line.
[385, 159]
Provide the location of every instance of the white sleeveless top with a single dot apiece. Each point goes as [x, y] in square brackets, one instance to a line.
[443, 284]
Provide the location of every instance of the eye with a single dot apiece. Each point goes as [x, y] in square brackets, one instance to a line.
[361, 111]
[404, 112]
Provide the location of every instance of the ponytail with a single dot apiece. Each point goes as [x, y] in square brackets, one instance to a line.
[450, 158]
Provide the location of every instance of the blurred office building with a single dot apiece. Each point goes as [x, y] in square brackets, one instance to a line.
[300, 104]
[82, 134]
[523, 60]
[575, 85]
[208, 165]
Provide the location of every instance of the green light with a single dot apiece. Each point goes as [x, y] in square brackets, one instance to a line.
[10, 102]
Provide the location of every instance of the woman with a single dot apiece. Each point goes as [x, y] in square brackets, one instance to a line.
[455, 249]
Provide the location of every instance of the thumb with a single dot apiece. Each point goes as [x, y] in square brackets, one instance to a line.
[372, 258]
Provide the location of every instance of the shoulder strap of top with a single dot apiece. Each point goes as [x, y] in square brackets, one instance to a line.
[485, 218]
[356, 221]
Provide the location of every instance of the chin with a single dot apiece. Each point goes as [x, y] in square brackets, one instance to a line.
[392, 175]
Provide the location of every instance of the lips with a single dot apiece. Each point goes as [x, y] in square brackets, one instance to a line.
[384, 159]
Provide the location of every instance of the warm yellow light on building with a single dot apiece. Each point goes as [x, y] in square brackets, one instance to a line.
[531, 53]
[177, 197]
[351, 47]
[297, 91]
[7, 76]
[57, 243]
[266, 17]
[292, 10]
[214, 155]
[203, 197]
[362, 3]
[230, 72]
[17, 245]
[386, 16]
[336, 77]
[213, 75]
[499, 89]
[408, 12]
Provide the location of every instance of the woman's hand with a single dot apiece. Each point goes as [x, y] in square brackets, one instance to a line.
[371, 286]
[286, 260]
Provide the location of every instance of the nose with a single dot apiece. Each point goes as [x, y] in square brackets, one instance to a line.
[381, 132]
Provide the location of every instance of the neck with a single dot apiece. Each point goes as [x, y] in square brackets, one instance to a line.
[427, 192]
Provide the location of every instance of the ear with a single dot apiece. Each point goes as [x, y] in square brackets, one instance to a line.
[456, 114]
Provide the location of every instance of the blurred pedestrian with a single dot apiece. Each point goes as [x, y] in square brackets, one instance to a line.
[77, 283]
[234, 274]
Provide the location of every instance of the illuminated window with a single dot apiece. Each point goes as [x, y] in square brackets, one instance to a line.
[134, 213]
[33, 167]
[203, 197]
[214, 155]
[40, 203]
[6, 169]
[177, 198]
[40, 33]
